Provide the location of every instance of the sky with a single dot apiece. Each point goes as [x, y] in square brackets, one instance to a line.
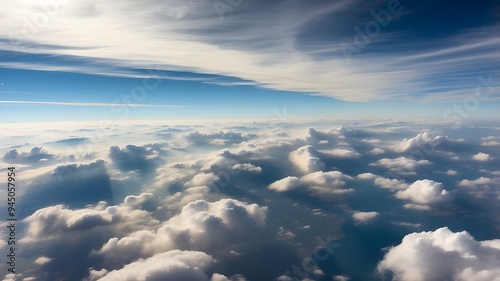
[246, 59]
[238, 140]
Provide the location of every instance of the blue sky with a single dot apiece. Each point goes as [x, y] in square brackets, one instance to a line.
[83, 60]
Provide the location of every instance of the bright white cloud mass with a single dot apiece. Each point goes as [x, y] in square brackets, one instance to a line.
[176, 208]
[233, 140]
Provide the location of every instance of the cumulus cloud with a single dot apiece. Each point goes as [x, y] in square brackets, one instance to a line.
[247, 167]
[203, 179]
[490, 141]
[139, 200]
[383, 182]
[285, 184]
[482, 157]
[425, 141]
[199, 226]
[474, 183]
[341, 153]
[364, 217]
[327, 182]
[221, 160]
[424, 192]
[43, 260]
[331, 182]
[401, 165]
[376, 151]
[306, 158]
[36, 155]
[171, 265]
[442, 255]
[58, 221]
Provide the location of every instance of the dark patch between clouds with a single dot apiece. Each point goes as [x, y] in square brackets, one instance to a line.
[72, 141]
[72, 185]
[133, 158]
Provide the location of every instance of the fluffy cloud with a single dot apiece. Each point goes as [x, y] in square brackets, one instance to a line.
[172, 265]
[424, 141]
[247, 167]
[364, 217]
[474, 183]
[383, 182]
[199, 226]
[285, 184]
[331, 182]
[58, 221]
[341, 278]
[401, 165]
[482, 157]
[376, 151]
[424, 192]
[341, 153]
[43, 260]
[36, 155]
[203, 179]
[390, 183]
[327, 182]
[306, 158]
[137, 200]
[443, 255]
[490, 141]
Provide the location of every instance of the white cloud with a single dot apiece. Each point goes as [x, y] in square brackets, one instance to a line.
[451, 172]
[376, 151]
[204, 179]
[490, 141]
[333, 179]
[199, 226]
[220, 277]
[424, 192]
[443, 255]
[133, 200]
[307, 159]
[331, 182]
[43, 260]
[341, 153]
[247, 167]
[383, 182]
[390, 183]
[474, 183]
[57, 221]
[341, 278]
[424, 141]
[172, 265]
[401, 165]
[408, 224]
[482, 157]
[285, 184]
[366, 176]
[364, 217]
